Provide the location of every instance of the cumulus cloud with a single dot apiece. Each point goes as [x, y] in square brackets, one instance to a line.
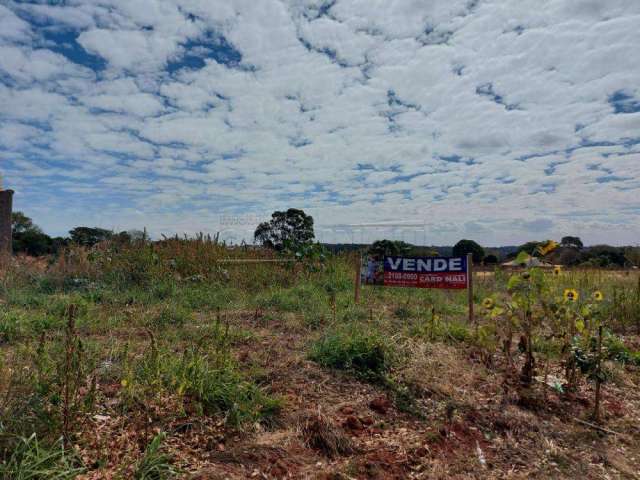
[504, 120]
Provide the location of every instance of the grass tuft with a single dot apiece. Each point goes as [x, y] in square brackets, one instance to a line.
[30, 460]
[356, 348]
[155, 464]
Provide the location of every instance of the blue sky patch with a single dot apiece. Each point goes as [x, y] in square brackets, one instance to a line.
[211, 46]
[65, 42]
[486, 90]
[624, 103]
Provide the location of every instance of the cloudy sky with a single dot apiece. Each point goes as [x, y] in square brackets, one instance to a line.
[498, 120]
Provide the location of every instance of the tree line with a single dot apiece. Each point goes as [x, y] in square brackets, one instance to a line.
[29, 239]
[292, 232]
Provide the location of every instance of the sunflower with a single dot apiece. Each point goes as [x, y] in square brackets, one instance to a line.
[570, 294]
[598, 296]
[557, 270]
[488, 303]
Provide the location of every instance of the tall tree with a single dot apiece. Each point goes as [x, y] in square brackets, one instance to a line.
[571, 242]
[88, 236]
[21, 223]
[464, 247]
[286, 230]
[28, 238]
[389, 248]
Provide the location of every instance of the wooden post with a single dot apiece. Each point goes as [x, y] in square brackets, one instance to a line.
[470, 287]
[357, 278]
[596, 409]
[6, 200]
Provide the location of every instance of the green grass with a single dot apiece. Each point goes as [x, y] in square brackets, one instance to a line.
[170, 315]
[31, 460]
[155, 464]
[10, 326]
[210, 380]
[204, 317]
[356, 348]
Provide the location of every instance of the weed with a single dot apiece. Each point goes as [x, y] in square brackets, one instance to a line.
[155, 464]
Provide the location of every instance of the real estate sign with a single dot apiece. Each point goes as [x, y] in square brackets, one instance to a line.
[417, 272]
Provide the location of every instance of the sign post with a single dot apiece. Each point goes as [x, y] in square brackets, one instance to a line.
[455, 273]
[470, 288]
[357, 288]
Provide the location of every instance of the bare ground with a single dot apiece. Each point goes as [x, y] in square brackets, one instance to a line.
[470, 423]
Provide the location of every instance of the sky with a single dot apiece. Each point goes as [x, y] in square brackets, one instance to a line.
[425, 121]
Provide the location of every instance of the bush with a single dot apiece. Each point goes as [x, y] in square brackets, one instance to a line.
[355, 348]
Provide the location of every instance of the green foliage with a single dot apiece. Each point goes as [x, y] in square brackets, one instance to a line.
[585, 356]
[456, 331]
[208, 378]
[491, 259]
[463, 247]
[286, 230]
[571, 242]
[10, 325]
[88, 237]
[155, 464]
[301, 298]
[356, 348]
[54, 384]
[389, 248]
[28, 238]
[604, 256]
[20, 223]
[30, 460]
[616, 350]
[530, 248]
[170, 315]
[313, 255]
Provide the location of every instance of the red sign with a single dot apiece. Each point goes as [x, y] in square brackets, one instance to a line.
[417, 272]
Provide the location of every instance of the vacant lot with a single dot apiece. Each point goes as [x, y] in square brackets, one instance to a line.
[155, 361]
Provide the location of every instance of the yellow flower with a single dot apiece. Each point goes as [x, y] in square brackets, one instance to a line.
[598, 296]
[488, 303]
[570, 294]
[548, 247]
[124, 383]
[557, 270]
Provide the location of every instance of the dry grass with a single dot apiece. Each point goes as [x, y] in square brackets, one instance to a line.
[320, 433]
